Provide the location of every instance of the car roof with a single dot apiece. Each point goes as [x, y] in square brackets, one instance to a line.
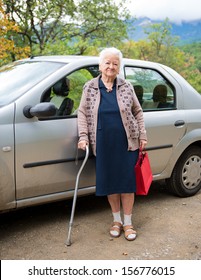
[62, 58]
[89, 59]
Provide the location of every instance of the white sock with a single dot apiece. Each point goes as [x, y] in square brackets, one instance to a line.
[117, 218]
[128, 222]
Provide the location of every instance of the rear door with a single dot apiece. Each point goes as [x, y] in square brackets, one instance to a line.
[165, 123]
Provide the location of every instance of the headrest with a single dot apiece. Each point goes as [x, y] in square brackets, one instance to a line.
[138, 89]
[160, 93]
[62, 87]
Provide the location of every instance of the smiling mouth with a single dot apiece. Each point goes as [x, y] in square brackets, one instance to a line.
[110, 70]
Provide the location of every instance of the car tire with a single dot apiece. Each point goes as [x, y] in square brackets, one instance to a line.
[186, 176]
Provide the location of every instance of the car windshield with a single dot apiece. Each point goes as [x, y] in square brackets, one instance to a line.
[18, 77]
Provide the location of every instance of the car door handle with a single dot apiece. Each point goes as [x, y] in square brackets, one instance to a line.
[6, 149]
[179, 123]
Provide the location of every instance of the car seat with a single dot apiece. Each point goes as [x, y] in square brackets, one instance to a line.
[139, 93]
[160, 96]
[63, 103]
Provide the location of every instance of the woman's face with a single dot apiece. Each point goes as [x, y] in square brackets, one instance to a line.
[110, 66]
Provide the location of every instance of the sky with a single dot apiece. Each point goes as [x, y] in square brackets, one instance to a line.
[176, 10]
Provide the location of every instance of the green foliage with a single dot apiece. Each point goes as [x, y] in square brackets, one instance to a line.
[161, 47]
[40, 21]
[162, 43]
[77, 25]
[195, 51]
[77, 80]
[9, 50]
[193, 77]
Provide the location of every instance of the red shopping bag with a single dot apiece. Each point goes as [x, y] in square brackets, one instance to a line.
[143, 174]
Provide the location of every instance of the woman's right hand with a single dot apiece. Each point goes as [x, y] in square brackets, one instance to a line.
[82, 145]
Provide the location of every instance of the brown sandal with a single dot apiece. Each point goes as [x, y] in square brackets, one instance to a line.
[129, 230]
[116, 226]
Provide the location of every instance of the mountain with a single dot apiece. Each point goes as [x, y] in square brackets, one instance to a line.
[187, 31]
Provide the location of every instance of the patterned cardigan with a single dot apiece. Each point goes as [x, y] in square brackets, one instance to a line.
[130, 111]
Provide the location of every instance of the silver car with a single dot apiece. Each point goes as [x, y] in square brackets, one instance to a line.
[39, 98]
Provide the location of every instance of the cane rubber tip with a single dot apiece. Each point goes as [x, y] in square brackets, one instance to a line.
[68, 243]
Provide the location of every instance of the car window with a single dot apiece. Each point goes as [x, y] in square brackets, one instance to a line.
[77, 81]
[66, 93]
[18, 77]
[154, 92]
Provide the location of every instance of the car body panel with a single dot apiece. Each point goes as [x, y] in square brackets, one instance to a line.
[162, 142]
[7, 158]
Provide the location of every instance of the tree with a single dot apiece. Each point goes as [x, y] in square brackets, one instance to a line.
[8, 50]
[195, 50]
[39, 21]
[191, 71]
[160, 46]
[165, 51]
[161, 40]
[75, 26]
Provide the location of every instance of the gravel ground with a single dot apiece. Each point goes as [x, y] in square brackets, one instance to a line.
[168, 228]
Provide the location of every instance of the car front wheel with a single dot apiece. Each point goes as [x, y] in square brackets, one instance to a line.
[186, 176]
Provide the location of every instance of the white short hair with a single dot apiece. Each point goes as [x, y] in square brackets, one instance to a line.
[111, 50]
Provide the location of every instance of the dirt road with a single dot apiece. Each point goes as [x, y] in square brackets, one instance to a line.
[168, 228]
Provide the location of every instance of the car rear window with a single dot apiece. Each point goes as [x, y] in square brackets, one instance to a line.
[17, 78]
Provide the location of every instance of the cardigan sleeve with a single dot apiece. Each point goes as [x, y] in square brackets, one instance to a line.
[82, 118]
[138, 114]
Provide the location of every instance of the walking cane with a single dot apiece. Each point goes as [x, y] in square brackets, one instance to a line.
[68, 241]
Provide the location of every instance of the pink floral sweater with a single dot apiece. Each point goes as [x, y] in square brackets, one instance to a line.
[130, 111]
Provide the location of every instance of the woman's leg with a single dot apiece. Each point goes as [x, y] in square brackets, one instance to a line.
[127, 200]
[114, 201]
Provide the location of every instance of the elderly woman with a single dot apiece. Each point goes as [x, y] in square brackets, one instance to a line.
[110, 119]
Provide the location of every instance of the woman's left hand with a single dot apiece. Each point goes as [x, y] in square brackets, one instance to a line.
[143, 144]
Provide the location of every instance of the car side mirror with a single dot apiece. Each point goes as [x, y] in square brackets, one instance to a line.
[41, 110]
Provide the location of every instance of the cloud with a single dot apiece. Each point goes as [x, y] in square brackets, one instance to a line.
[175, 10]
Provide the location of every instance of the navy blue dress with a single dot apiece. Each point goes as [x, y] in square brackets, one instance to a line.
[114, 163]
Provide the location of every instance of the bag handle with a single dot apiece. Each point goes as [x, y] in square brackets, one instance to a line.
[142, 151]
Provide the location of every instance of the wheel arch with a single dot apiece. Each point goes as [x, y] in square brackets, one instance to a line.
[175, 182]
[192, 138]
